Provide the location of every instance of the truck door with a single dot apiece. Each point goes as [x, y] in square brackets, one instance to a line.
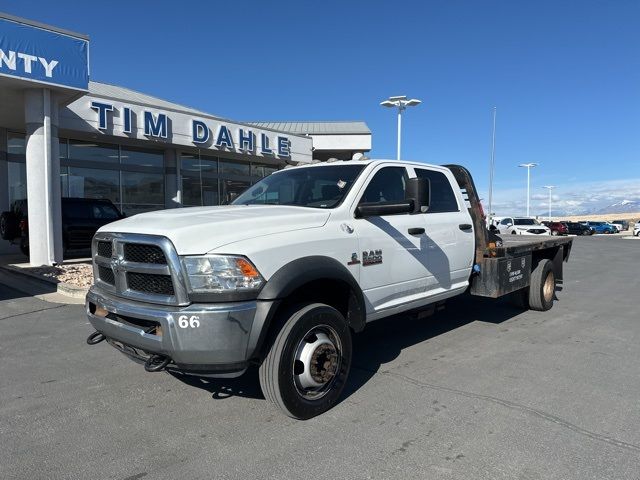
[449, 236]
[393, 268]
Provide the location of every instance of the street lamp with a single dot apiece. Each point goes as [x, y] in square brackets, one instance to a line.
[401, 103]
[549, 187]
[528, 166]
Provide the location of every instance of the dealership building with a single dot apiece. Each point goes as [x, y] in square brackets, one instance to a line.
[64, 135]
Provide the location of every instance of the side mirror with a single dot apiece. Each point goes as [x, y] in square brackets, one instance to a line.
[384, 208]
[419, 191]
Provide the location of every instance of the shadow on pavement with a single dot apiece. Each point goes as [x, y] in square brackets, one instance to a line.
[381, 342]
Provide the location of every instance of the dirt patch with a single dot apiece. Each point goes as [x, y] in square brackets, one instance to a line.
[78, 275]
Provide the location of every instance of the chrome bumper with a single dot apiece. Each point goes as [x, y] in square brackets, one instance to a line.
[202, 338]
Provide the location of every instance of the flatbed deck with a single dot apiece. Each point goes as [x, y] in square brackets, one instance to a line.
[519, 244]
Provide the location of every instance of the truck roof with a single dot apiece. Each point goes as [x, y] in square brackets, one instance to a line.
[366, 162]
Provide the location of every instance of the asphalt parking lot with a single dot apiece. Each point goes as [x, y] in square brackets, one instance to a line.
[480, 390]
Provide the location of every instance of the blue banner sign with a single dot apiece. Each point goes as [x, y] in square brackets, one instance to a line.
[43, 56]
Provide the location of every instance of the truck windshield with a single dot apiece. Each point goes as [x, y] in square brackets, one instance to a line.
[317, 187]
[525, 221]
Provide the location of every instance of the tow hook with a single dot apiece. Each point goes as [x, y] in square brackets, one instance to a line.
[95, 338]
[156, 363]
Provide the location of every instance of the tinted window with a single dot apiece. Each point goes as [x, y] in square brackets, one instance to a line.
[525, 221]
[506, 221]
[106, 212]
[442, 197]
[387, 185]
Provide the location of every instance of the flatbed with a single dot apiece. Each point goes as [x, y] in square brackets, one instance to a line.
[508, 264]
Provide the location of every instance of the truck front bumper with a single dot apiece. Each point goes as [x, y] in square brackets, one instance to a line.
[199, 338]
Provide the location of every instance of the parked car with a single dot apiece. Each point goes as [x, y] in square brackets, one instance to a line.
[623, 224]
[601, 227]
[522, 226]
[636, 229]
[575, 228]
[81, 218]
[557, 228]
[617, 228]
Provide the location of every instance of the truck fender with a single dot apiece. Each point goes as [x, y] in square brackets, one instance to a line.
[293, 276]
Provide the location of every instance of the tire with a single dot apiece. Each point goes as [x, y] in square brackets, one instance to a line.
[8, 226]
[24, 246]
[586, 232]
[296, 373]
[514, 233]
[542, 286]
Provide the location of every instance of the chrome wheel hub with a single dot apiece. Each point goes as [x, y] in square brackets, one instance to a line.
[317, 361]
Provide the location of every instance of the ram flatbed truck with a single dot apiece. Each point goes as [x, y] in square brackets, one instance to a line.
[303, 259]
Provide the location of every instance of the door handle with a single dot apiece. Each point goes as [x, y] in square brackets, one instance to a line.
[465, 226]
[416, 231]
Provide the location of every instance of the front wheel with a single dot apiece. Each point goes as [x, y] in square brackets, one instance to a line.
[308, 363]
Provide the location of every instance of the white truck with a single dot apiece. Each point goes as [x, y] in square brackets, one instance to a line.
[306, 257]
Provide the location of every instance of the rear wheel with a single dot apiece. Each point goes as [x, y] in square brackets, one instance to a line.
[308, 363]
[542, 287]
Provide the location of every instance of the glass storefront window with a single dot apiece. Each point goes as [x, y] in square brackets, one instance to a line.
[94, 183]
[234, 168]
[143, 188]
[17, 181]
[142, 156]
[231, 189]
[257, 170]
[269, 170]
[95, 152]
[15, 146]
[63, 148]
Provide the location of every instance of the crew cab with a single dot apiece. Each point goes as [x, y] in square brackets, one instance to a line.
[300, 262]
[522, 226]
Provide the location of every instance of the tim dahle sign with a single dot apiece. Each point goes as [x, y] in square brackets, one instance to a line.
[43, 56]
[204, 133]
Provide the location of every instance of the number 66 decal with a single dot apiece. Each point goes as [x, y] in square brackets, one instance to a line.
[185, 321]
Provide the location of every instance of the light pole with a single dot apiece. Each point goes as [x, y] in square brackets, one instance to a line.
[401, 103]
[528, 166]
[549, 187]
[492, 164]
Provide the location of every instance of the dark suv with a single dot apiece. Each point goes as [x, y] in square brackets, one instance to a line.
[81, 218]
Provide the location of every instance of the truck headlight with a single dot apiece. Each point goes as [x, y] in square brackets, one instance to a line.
[221, 274]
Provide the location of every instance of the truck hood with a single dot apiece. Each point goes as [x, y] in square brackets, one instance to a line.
[198, 230]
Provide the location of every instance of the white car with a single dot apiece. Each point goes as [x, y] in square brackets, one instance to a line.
[636, 229]
[522, 226]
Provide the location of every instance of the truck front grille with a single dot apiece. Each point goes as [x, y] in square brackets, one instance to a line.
[106, 275]
[105, 249]
[140, 267]
[134, 252]
[150, 283]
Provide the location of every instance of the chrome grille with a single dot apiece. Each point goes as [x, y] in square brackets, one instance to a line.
[106, 275]
[140, 267]
[105, 249]
[136, 252]
[150, 283]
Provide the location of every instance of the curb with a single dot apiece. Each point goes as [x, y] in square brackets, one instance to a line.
[36, 285]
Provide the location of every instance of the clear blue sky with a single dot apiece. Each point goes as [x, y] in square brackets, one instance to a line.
[564, 76]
